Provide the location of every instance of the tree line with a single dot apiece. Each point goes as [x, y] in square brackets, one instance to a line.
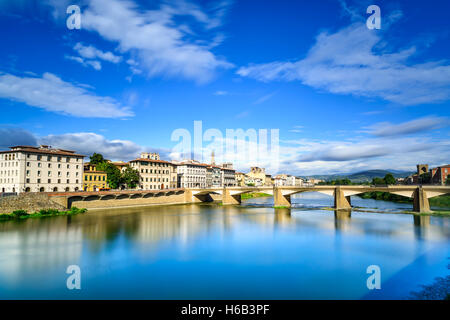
[387, 180]
[116, 179]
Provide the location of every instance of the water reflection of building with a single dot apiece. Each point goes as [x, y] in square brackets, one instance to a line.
[38, 245]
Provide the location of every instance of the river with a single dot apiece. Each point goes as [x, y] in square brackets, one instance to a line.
[209, 251]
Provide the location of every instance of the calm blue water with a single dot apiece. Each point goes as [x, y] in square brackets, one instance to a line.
[226, 252]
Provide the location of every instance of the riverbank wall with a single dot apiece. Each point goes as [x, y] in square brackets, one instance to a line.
[30, 202]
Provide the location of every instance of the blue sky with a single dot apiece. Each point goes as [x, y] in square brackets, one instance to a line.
[344, 98]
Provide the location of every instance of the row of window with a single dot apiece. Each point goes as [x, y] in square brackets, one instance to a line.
[89, 178]
[9, 173]
[49, 173]
[13, 156]
[49, 165]
[28, 180]
[155, 179]
[41, 189]
[151, 164]
[156, 171]
[9, 164]
[50, 158]
[153, 187]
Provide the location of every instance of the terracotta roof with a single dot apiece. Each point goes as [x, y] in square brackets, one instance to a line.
[43, 151]
[193, 164]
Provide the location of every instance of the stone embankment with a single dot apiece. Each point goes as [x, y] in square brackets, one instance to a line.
[30, 202]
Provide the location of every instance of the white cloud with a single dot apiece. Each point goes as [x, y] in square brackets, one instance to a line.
[53, 94]
[156, 38]
[87, 143]
[92, 63]
[386, 129]
[352, 61]
[90, 56]
[90, 52]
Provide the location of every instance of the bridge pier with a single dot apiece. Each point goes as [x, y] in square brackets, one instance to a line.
[228, 198]
[420, 201]
[341, 202]
[280, 200]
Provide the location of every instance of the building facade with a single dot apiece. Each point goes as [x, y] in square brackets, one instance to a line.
[40, 169]
[191, 174]
[240, 179]
[228, 176]
[155, 174]
[94, 180]
[213, 177]
[258, 173]
[439, 175]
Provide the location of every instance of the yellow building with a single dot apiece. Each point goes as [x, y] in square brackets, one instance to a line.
[240, 179]
[94, 180]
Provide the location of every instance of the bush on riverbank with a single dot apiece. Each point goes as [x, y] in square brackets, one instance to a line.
[22, 214]
[254, 195]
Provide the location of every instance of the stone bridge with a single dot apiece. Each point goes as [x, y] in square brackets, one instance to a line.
[341, 194]
[232, 195]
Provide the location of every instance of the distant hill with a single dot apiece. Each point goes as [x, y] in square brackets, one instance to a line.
[363, 176]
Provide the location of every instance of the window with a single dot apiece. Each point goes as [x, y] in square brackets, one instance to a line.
[49, 173]
[59, 159]
[49, 165]
[28, 180]
[86, 178]
[38, 180]
[39, 165]
[49, 158]
[39, 173]
[49, 180]
[68, 181]
[39, 157]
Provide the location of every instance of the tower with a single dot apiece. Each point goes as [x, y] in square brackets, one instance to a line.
[213, 161]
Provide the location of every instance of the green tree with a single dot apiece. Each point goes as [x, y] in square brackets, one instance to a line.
[114, 177]
[130, 177]
[447, 182]
[425, 178]
[389, 179]
[378, 181]
[96, 158]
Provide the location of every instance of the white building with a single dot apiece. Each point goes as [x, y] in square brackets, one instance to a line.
[290, 180]
[155, 174]
[213, 177]
[191, 174]
[228, 176]
[280, 180]
[40, 169]
[298, 182]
